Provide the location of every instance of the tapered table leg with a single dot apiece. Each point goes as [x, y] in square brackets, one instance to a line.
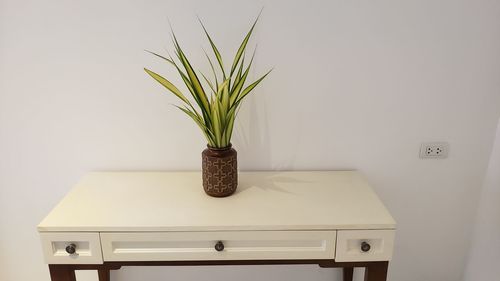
[103, 275]
[348, 272]
[58, 274]
[376, 272]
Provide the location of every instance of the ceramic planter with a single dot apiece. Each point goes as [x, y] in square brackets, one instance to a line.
[219, 171]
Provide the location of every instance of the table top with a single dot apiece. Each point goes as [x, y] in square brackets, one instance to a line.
[175, 201]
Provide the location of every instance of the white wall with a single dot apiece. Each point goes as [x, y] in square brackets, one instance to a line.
[484, 256]
[357, 84]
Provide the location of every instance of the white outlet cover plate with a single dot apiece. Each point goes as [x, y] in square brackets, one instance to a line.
[434, 150]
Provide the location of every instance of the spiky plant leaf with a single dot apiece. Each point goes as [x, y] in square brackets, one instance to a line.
[167, 84]
[243, 45]
[241, 81]
[213, 70]
[208, 82]
[214, 49]
[206, 131]
[193, 78]
[218, 109]
[250, 88]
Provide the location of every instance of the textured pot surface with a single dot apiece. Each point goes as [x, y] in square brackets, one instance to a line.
[220, 171]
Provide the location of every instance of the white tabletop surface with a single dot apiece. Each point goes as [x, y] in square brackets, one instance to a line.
[175, 201]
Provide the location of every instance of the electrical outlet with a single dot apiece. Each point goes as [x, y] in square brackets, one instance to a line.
[434, 150]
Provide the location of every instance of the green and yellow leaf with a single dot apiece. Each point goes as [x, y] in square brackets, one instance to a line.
[218, 108]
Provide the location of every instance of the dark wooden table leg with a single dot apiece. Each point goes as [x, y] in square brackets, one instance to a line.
[61, 274]
[376, 271]
[348, 271]
[103, 274]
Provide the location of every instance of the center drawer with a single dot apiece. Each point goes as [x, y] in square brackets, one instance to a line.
[215, 245]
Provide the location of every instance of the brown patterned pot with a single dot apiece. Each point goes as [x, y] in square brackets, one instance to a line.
[220, 171]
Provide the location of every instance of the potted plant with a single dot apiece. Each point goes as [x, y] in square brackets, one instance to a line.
[214, 109]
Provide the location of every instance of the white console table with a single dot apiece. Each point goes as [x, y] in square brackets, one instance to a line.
[114, 219]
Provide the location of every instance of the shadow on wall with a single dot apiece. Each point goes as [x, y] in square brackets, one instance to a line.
[484, 255]
[252, 138]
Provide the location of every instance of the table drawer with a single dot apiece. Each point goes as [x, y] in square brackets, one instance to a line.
[237, 245]
[87, 247]
[364, 245]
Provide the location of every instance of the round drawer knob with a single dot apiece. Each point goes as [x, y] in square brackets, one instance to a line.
[71, 249]
[365, 247]
[219, 246]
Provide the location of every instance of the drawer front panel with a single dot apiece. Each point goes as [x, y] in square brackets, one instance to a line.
[237, 245]
[87, 247]
[364, 245]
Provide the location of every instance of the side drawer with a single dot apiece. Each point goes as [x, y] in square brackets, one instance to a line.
[87, 247]
[237, 245]
[364, 245]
